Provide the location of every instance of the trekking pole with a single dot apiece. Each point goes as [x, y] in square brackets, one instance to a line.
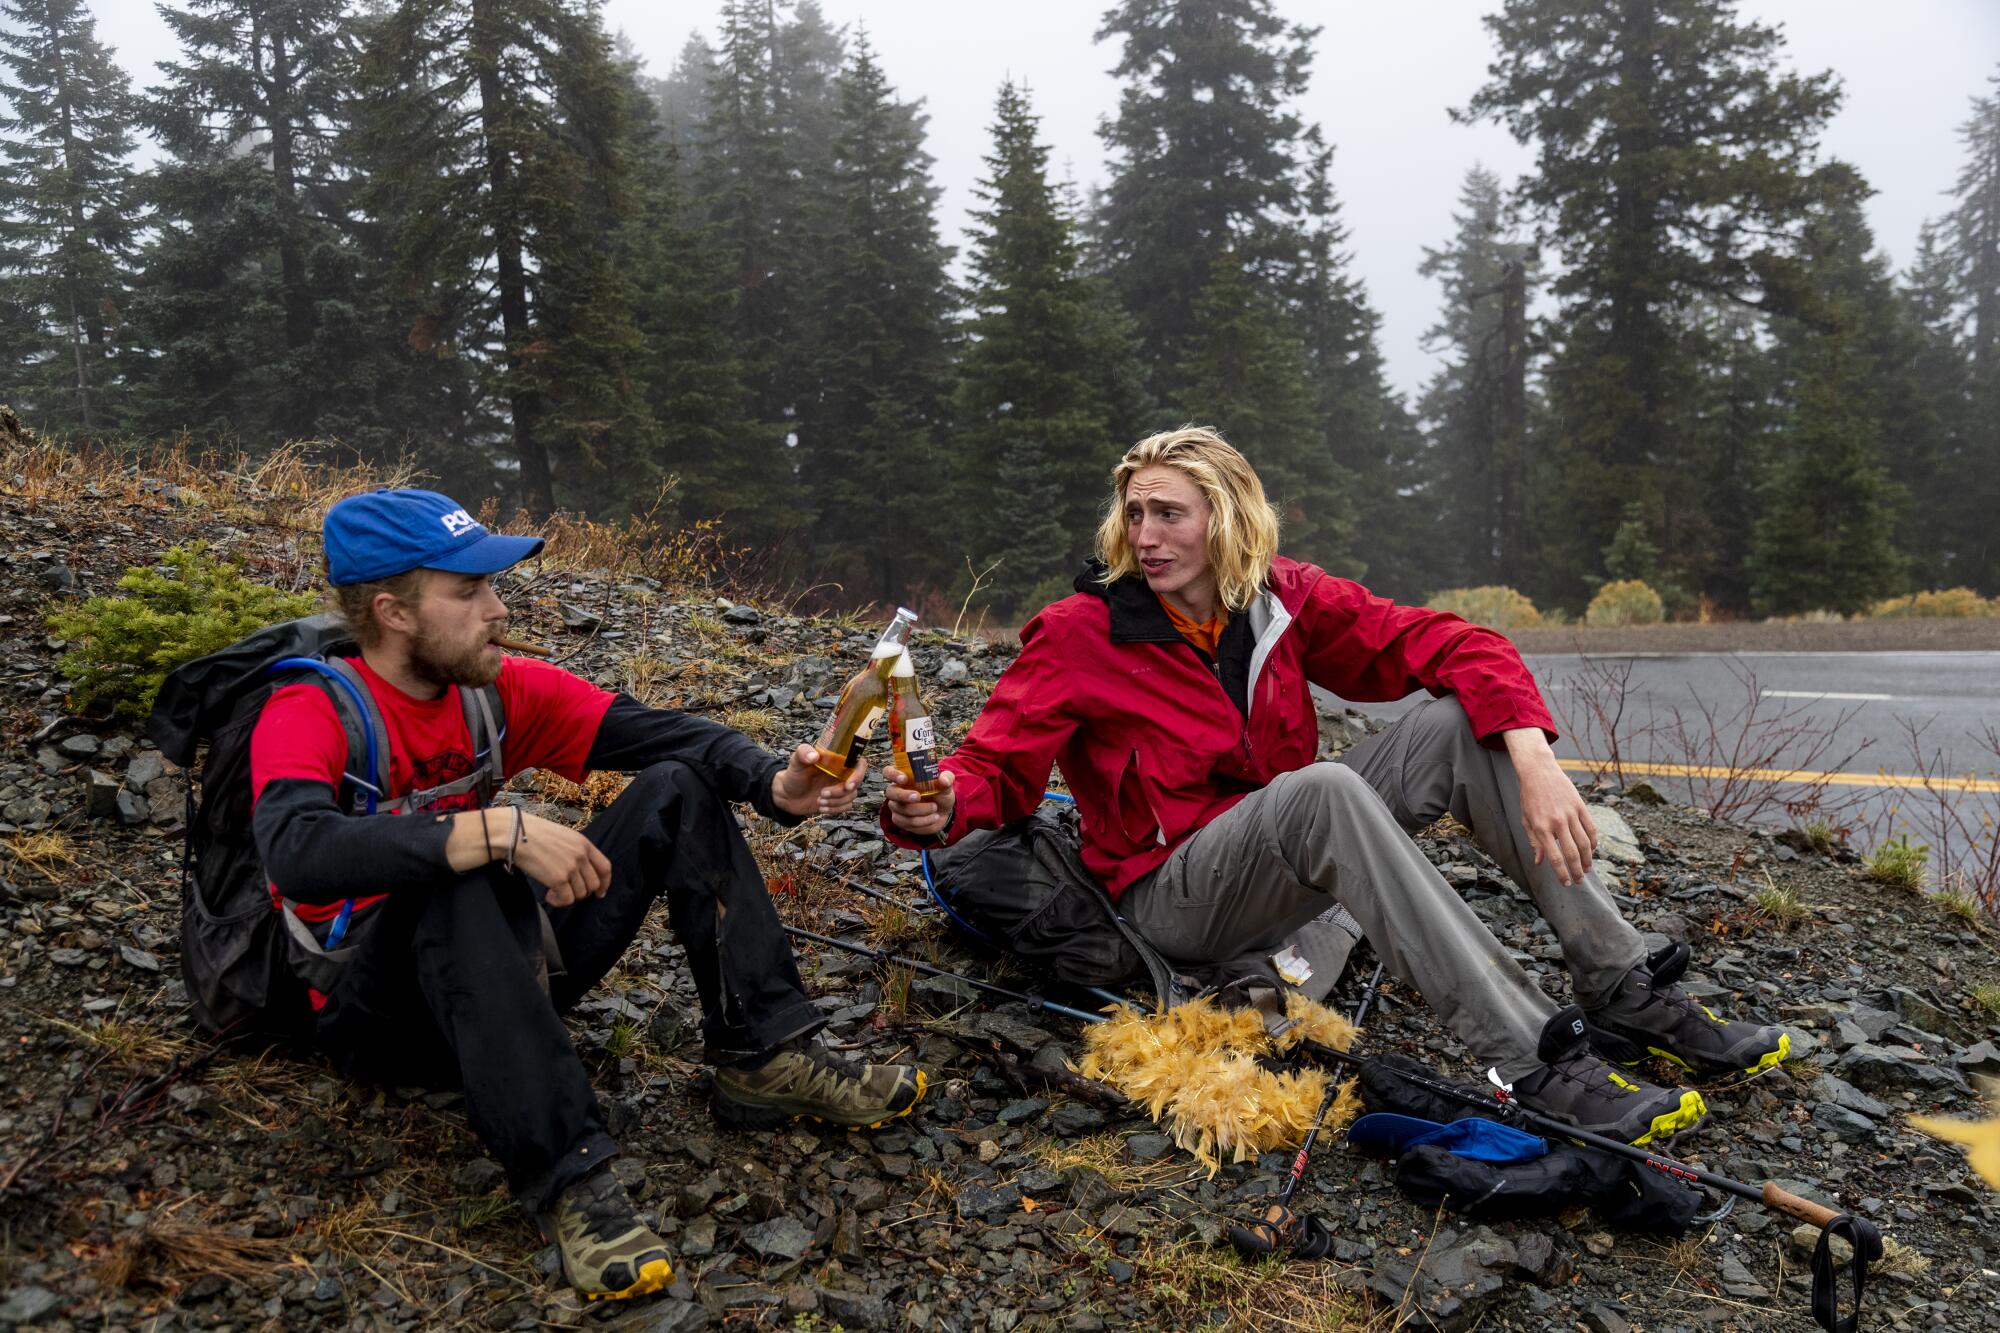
[931, 969]
[1862, 1236]
[1278, 1229]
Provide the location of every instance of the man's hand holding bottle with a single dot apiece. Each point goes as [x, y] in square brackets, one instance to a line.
[914, 813]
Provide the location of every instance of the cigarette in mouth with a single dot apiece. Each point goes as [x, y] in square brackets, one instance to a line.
[516, 646]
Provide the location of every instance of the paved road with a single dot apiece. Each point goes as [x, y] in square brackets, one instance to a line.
[1844, 713]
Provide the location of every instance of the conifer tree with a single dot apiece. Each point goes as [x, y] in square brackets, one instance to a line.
[1972, 232]
[67, 215]
[727, 464]
[1477, 404]
[1206, 160]
[1034, 439]
[496, 134]
[248, 297]
[1245, 371]
[1675, 160]
[876, 364]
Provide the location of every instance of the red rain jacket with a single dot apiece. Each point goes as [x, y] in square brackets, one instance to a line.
[1155, 739]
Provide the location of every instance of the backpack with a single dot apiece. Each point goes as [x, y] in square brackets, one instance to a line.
[1023, 888]
[249, 963]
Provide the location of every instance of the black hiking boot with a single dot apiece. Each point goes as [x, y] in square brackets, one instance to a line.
[608, 1254]
[1652, 1015]
[802, 1078]
[1575, 1086]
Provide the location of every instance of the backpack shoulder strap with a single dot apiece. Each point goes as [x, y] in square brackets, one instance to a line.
[486, 724]
[367, 735]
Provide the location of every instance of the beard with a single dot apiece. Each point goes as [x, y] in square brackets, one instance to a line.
[472, 666]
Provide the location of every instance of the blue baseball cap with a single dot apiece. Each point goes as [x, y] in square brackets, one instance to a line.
[1473, 1136]
[379, 534]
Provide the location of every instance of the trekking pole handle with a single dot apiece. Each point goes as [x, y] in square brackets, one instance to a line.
[1791, 1204]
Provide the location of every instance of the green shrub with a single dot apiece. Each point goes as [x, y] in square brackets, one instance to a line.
[1938, 604]
[121, 648]
[1624, 602]
[1494, 605]
[1900, 864]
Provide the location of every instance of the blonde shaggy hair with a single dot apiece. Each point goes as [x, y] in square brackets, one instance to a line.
[1242, 524]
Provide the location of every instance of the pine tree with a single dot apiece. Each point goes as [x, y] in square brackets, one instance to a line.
[1675, 160]
[875, 358]
[1034, 441]
[1245, 371]
[250, 205]
[1972, 232]
[1952, 493]
[727, 465]
[496, 133]
[1476, 406]
[1207, 159]
[1827, 509]
[67, 216]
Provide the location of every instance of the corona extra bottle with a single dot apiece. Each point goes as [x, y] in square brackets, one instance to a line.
[912, 738]
[863, 702]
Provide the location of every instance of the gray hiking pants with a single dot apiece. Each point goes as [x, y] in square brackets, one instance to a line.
[1335, 833]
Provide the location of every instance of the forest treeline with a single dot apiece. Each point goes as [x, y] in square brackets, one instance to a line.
[481, 234]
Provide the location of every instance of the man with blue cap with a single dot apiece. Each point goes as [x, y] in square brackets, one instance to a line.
[468, 930]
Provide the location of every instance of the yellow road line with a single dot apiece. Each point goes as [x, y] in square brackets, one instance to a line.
[1799, 775]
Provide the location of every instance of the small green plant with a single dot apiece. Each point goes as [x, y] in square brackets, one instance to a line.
[1961, 905]
[1775, 902]
[1900, 864]
[121, 648]
[1938, 604]
[1625, 602]
[624, 1039]
[1986, 995]
[1823, 836]
[1494, 605]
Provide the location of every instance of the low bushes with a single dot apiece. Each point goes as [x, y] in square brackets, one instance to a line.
[1937, 604]
[1625, 602]
[1494, 605]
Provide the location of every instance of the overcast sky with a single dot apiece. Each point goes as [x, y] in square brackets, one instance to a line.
[1383, 76]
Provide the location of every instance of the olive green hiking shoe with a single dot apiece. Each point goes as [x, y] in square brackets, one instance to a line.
[1652, 1015]
[803, 1078]
[608, 1254]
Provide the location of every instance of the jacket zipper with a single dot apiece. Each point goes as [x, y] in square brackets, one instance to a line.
[1159, 825]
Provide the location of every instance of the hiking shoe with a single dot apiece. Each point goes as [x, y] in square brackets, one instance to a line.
[1652, 1015]
[1575, 1086]
[803, 1078]
[608, 1254]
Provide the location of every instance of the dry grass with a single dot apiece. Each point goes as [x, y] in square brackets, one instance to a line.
[168, 1252]
[1779, 903]
[1190, 1281]
[124, 1042]
[594, 793]
[757, 723]
[1105, 1154]
[1899, 1259]
[1986, 995]
[42, 852]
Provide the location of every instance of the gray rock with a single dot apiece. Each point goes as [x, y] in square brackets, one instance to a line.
[1615, 840]
[24, 1305]
[132, 808]
[1601, 1318]
[1892, 1069]
[139, 958]
[1845, 1125]
[101, 795]
[666, 1314]
[80, 746]
[780, 1238]
[1740, 1282]
[1981, 1058]
[1459, 1279]
[952, 671]
[742, 614]
[1015, 1113]
[166, 801]
[1074, 1118]
[1832, 1088]
[28, 812]
[855, 1309]
[145, 766]
[481, 1175]
[1148, 1147]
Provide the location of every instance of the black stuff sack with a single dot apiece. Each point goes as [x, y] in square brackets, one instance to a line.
[1623, 1193]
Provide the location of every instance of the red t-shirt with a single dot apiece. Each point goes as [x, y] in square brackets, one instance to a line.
[551, 719]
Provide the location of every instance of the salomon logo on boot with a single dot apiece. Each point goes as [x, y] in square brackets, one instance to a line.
[1576, 1086]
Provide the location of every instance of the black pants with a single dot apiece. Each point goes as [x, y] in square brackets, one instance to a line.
[446, 988]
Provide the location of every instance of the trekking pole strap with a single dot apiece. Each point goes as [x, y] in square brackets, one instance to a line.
[1867, 1244]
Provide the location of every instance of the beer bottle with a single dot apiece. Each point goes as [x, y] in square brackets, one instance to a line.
[863, 702]
[912, 738]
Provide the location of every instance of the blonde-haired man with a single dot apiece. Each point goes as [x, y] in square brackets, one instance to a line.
[1175, 690]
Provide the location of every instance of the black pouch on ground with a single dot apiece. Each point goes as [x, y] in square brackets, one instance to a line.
[1023, 888]
[1623, 1193]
